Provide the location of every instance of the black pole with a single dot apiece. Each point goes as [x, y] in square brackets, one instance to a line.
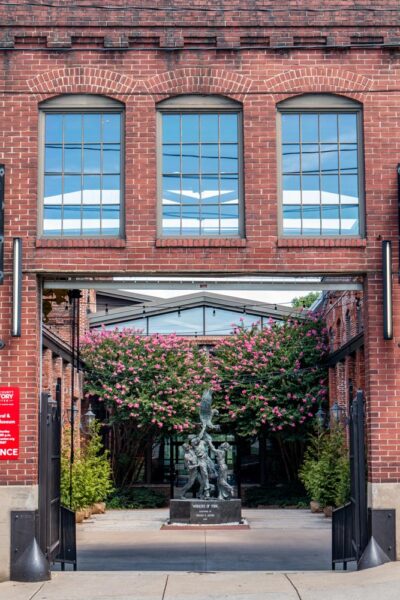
[74, 296]
[387, 290]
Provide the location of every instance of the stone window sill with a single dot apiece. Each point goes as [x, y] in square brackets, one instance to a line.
[201, 243]
[321, 242]
[80, 243]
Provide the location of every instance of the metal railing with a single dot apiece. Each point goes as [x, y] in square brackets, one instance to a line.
[67, 553]
[342, 536]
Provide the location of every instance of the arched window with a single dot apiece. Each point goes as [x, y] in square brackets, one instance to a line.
[80, 179]
[320, 166]
[200, 167]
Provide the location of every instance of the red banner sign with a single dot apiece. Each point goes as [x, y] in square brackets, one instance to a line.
[9, 423]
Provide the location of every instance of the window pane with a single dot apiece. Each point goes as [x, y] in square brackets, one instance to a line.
[210, 219]
[209, 158]
[230, 219]
[309, 158]
[91, 220]
[229, 189]
[330, 189]
[171, 129]
[73, 158]
[110, 224]
[291, 189]
[348, 158]
[189, 322]
[91, 189]
[330, 220]
[52, 189]
[291, 159]
[328, 128]
[311, 220]
[190, 158]
[190, 189]
[52, 220]
[190, 128]
[111, 189]
[72, 220]
[72, 129]
[223, 322]
[309, 128]
[171, 160]
[209, 128]
[139, 325]
[72, 189]
[92, 128]
[209, 189]
[111, 129]
[292, 220]
[329, 158]
[229, 158]
[53, 159]
[349, 189]
[290, 129]
[349, 220]
[172, 219]
[348, 128]
[111, 158]
[228, 128]
[91, 158]
[171, 192]
[190, 220]
[311, 193]
[54, 129]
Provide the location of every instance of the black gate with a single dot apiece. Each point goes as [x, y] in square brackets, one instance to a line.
[49, 474]
[350, 522]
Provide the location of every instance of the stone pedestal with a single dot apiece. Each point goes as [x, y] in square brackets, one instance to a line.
[205, 512]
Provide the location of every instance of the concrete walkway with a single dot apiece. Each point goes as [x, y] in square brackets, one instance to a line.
[379, 583]
[277, 540]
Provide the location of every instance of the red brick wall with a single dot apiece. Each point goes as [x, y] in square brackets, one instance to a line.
[37, 69]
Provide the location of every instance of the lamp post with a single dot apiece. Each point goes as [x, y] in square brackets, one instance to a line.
[320, 416]
[87, 420]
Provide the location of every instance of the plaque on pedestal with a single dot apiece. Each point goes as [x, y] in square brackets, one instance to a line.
[210, 511]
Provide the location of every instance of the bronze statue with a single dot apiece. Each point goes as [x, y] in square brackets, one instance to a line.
[198, 462]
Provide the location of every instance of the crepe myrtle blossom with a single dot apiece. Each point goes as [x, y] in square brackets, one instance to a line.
[277, 397]
[160, 377]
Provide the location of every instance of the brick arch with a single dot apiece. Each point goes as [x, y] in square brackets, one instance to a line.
[84, 80]
[198, 80]
[318, 80]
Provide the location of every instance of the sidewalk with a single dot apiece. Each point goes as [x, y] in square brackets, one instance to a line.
[379, 583]
[132, 540]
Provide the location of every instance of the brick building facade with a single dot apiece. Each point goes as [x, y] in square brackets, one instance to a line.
[346, 55]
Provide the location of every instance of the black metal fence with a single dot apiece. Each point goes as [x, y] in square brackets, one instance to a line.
[67, 553]
[350, 522]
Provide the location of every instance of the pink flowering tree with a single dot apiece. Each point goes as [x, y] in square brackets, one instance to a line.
[150, 386]
[270, 382]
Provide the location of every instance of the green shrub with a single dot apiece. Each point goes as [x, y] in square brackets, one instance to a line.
[286, 494]
[136, 498]
[325, 471]
[91, 472]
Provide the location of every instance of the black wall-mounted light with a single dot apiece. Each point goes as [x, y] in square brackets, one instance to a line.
[16, 288]
[387, 290]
